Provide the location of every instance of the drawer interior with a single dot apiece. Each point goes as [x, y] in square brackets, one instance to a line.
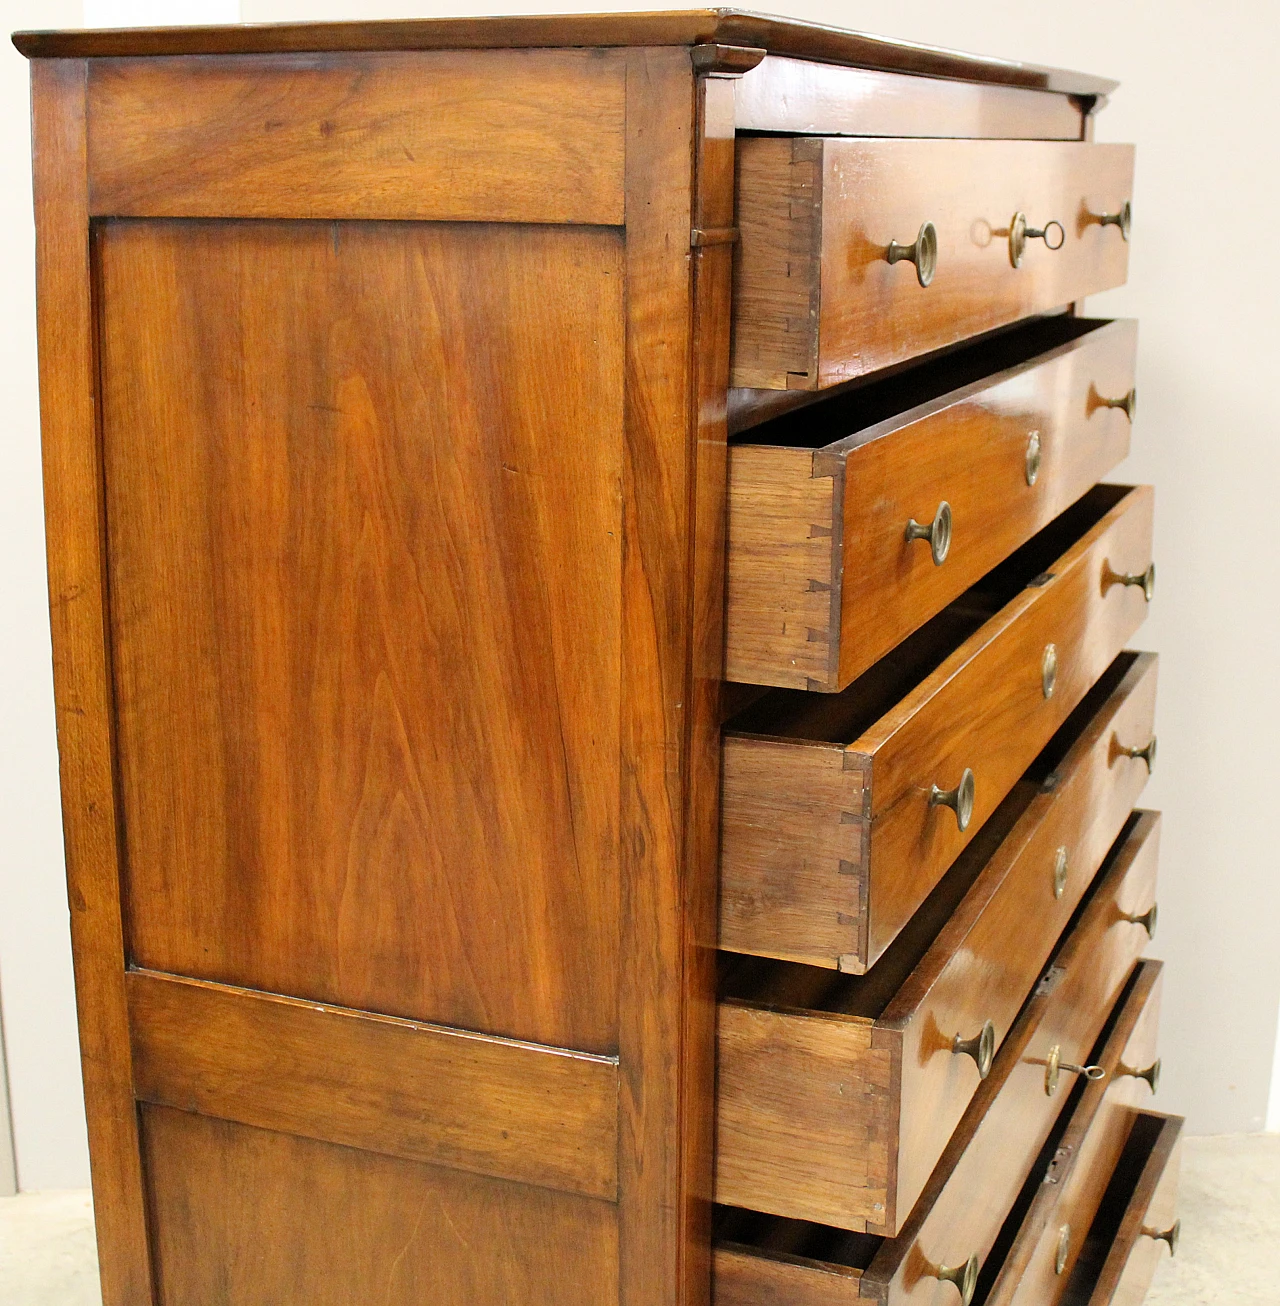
[785, 984]
[862, 406]
[841, 718]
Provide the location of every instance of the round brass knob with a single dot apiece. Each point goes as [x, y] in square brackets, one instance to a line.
[938, 533]
[1020, 233]
[1060, 865]
[1122, 220]
[1147, 920]
[1054, 1066]
[1128, 404]
[1064, 1249]
[1145, 580]
[981, 1047]
[960, 799]
[965, 1277]
[923, 252]
[1033, 456]
[1049, 669]
[1170, 1236]
[1147, 753]
[1151, 1074]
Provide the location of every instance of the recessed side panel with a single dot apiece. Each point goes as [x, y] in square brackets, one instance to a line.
[228, 1200]
[364, 532]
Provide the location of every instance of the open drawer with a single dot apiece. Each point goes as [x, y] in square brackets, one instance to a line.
[762, 1259]
[993, 442]
[841, 813]
[865, 1066]
[857, 254]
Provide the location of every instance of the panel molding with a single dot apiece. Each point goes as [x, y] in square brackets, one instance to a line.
[499, 1107]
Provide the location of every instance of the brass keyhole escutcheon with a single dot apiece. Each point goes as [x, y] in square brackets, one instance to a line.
[1049, 669]
[923, 252]
[1020, 232]
[1063, 1251]
[1060, 868]
[960, 799]
[1054, 1066]
[1033, 456]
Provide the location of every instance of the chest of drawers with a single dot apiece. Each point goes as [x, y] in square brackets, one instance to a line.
[598, 738]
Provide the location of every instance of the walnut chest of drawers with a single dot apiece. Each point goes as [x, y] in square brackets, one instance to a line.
[598, 728]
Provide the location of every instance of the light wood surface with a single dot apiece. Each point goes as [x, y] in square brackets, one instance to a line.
[819, 239]
[304, 575]
[246, 1215]
[1069, 1192]
[836, 1098]
[962, 693]
[823, 582]
[743, 1278]
[73, 491]
[542, 1116]
[493, 136]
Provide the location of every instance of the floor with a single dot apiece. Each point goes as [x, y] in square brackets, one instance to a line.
[1230, 1207]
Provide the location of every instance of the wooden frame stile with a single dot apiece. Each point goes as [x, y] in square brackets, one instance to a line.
[73, 494]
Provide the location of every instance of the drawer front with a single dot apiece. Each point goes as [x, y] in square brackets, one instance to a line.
[822, 581]
[816, 301]
[988, 1160]
[1147, 1228]
[827, 852]
[817, 1118]
[1044, 1252]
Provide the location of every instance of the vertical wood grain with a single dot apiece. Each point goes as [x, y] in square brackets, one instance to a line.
[73, 498]
[658, 484]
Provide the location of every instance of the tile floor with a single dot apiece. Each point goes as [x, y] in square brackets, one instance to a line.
[1230, 1207]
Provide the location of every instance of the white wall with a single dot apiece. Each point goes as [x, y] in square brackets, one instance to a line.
[1197, 98]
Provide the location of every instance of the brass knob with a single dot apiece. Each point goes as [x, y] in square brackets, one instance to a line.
[1054, 1066]
[1151, 1074]
[938, 533]
[1147, 920]
[1064, 1249]
[1060, 865]
[1033, 456]
[965, 1277]
[923, 253]
[1020, 233]
[1049, 669]
[1145, 580]
[1170, 1236]
[1147, 752]
[1128, 404]
[960, 799]
[1122, 220]
[981, 1047]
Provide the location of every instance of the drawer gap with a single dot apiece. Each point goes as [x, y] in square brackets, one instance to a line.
[776, 1234]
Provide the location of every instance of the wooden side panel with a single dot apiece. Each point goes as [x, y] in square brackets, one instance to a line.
[543, 1116]
[783, 574]
[495, 135]
[231, 1226]
[366, 545]
[81, 675]
[745, 1278]
[806, 1118]
[1125, 1278]
[792, 854]
[776, 274]
[802, 97]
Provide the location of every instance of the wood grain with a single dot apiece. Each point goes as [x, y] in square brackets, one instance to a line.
[992, 1151]
[1069, 1192]
[839, 1113]
[744, 1278]
[492, 136]
[249, 1216]
[342, 470]
[812, 604]
[543, 1116]
[981, 706]
[77, 566]
[679, 28]
[858, 195]
[802, 97]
